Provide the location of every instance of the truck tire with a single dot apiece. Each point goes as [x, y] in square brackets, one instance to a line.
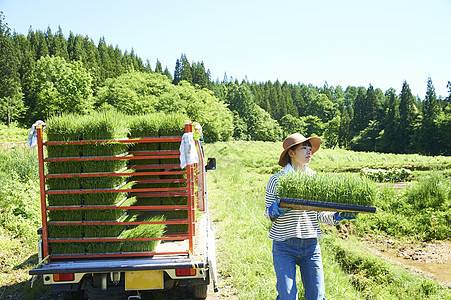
[200, 291]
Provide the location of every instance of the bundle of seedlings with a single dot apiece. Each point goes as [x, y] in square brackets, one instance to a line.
[147, 231]
[320, 191]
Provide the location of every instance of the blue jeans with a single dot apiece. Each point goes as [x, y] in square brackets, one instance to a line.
[306, 253]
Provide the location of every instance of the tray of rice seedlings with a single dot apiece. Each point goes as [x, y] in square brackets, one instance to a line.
[168, 214]
[172, 125]
[327, 192]
[110, 247]
[143, 231]
[68, 248]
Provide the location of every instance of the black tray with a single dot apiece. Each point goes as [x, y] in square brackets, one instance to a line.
[301, 204]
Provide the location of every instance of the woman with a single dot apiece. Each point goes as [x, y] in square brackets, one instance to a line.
[295, 233]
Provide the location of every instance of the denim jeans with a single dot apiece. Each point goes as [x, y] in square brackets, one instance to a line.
[306, 253]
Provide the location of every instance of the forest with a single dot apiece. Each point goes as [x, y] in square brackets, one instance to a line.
[44, 74]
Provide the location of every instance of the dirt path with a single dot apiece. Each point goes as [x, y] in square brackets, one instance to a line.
[430, 258]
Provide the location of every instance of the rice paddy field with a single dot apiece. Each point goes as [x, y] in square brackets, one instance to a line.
[418, 214]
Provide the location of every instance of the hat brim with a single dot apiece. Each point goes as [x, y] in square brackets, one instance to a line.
[284, 158]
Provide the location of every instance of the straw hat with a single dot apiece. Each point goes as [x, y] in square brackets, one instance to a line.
[293, 140]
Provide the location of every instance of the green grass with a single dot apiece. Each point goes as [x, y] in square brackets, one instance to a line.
[420, 211]
[343, 188]
[263, 156]
[13, 133]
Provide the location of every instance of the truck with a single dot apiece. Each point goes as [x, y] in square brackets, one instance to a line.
[185, 260]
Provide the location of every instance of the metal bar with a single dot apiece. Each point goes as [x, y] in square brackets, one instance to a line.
[88, 223]
[200, 179]
[45, 243]
[158, 207]
[148, 195]
[129, 254]
[102, 158]
[104, 174]
[122, 141]
[94, 191]
[181, 180]
[148, 167]
[189, 168]
[87, 240]
[159, 152]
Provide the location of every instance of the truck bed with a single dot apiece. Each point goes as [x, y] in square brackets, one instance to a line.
[94, 265]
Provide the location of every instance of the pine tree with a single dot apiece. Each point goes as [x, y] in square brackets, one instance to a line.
[408, 114]
[59, 45]
[185, 69]
[167, 73]
[429, 137]
[391, 136]
[11, 102]
[359, 121]
[371, 105]
[344, 132]
[159, 68]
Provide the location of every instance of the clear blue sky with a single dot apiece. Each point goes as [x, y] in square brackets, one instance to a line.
[347, 42]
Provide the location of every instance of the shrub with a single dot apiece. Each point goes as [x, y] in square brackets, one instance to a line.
[390, 175]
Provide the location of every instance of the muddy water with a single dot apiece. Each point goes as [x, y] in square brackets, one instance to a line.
[431, 258]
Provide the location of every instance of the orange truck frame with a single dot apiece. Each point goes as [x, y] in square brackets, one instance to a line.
[186, 259]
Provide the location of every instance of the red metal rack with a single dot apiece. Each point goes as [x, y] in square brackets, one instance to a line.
[194, 178]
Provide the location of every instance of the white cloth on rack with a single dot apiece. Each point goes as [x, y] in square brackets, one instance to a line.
[32, 139]
[188, 153]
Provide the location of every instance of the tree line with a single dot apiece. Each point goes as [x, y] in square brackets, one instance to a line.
[44, 73]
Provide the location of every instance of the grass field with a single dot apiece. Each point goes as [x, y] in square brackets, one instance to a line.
[236, 195]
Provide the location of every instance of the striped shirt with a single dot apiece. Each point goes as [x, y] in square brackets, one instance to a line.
[294, 223]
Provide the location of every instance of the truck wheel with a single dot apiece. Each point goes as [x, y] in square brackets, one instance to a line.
[200, 291]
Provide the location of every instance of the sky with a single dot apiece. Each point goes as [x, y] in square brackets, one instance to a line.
[346, 42]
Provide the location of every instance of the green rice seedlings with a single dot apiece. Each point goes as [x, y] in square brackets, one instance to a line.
[65, 215]
[104, 125]
[107, 198]
[143, 231]
[68, 248]
[65, 231]
[103, 247]
[108, 214]
[63, 128]
[172, 125]
[145, 126]
[168, 214]
[341, 188]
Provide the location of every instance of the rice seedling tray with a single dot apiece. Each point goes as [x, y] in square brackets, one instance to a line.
[302, 204]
